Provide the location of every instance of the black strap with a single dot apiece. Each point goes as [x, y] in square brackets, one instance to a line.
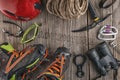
[103, 2]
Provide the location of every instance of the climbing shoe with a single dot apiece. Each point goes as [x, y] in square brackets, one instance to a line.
[57, 68]
[23, 62]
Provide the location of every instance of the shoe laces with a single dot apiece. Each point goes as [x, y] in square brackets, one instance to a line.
[56, 68]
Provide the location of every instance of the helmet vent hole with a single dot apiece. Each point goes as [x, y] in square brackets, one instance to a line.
[38, 6]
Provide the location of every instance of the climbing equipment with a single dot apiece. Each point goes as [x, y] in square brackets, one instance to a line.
[21, 9]
[38, 56]
[67, 9]
[79, 66]
[23, 34]
[57, 68]
[32, 27]
[19, 32]
[6, 47]
[36, 53]
[96, 19]
[108, 32]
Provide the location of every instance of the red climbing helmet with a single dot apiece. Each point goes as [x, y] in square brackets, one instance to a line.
[20, 9]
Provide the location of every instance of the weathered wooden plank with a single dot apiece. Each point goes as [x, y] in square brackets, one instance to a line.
[109, 76]
[56, 32]
[116, 23]
[92, 36]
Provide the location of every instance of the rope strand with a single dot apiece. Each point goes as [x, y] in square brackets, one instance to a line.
[67, 9]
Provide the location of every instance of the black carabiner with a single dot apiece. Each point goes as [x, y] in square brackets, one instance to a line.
[79, 72]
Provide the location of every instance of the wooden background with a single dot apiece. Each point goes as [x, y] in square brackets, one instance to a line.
[56, 32]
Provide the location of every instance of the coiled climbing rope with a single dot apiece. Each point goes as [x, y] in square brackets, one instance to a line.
[67, 9]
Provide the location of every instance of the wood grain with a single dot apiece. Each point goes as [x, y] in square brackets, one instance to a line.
[56, 32]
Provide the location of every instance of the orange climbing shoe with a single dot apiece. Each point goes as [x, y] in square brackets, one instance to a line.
[23, 62]
[57, 68]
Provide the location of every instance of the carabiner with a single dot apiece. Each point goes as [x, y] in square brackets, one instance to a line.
[35, 27]
[19, 32]
[108, 32]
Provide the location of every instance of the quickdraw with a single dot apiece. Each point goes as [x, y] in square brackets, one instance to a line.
[22, 33]
[19, 32]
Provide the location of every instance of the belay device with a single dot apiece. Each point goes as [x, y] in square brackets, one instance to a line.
[80, 73]
[103, 60]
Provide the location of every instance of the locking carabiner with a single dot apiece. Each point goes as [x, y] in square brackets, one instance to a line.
[108, 32]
